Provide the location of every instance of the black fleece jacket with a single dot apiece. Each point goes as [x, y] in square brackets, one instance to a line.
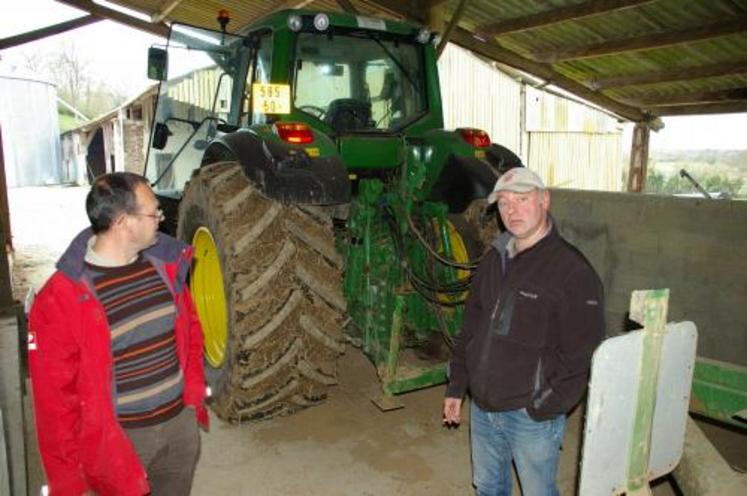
[531, 324]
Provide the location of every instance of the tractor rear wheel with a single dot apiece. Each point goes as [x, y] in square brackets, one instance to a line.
[266, 284]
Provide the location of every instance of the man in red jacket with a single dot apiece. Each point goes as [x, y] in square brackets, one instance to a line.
[533, 317]
[116, 354]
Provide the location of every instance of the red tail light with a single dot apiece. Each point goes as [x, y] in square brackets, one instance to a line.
[294, 132]
[475, 137]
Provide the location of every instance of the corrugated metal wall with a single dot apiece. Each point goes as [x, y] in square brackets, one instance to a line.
[572, 145]
[577, 160]
[569, 144]
[31, 131]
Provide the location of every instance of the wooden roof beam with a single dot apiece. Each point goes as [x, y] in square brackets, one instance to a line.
[38, 34]
[347, 6]
[415, 11]
[453, 23]
[690, 98]
[165, 11]
[699, 109]
[159, 29]
[493, 50]
[646, 42]
[556, 16]
[683, 74]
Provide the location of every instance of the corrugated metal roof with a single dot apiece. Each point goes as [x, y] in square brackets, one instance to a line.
[561, 41]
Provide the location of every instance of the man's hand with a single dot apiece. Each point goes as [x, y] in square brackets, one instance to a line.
[452, 411]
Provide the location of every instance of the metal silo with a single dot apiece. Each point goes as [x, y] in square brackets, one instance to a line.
[30, 127]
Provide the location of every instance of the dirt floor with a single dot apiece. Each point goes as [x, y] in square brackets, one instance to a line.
[344, 447]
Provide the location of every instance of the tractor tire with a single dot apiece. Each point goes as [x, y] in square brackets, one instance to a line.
[281, 279]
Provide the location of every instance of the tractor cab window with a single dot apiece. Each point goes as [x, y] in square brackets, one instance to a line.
[358, 81]
[195, 101]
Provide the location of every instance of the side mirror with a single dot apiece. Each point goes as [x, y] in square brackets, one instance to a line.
[161, 135]
[158, 64]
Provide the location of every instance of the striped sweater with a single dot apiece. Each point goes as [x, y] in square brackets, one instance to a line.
[140, 311]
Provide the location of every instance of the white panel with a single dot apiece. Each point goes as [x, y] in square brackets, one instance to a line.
[672, 397]
[611, 408]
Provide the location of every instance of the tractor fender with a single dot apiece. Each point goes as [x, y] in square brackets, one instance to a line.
[283, 172]
[462, 180]
[465, 178]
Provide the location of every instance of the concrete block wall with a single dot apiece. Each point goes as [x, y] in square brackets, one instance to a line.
[695, 247]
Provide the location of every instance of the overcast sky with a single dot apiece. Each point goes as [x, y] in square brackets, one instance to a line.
[118, 55]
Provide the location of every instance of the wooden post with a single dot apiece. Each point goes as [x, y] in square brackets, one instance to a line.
[6, 245]
[639, 158]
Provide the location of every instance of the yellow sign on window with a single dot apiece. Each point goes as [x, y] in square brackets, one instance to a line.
[271, 98]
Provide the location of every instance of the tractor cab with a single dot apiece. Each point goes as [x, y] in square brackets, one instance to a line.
[335, 77]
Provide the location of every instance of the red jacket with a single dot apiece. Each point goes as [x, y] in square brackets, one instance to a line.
[80, 440]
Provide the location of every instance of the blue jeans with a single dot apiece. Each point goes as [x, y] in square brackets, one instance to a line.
[499, 437]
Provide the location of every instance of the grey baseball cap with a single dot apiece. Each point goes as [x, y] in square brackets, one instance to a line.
[518, 180]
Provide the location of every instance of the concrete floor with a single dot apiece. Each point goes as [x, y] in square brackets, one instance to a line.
[344, 447]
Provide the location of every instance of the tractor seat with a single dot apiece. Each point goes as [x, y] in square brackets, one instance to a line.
[348, 114]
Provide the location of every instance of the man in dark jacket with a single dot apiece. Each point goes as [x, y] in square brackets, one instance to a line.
[533, 318]
[115, 354]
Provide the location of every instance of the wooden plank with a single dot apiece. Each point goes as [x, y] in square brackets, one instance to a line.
[682, 74]
[158, 29]
[38, 34]
[556, 16]
[165, 11]
[646, 42]
[703, 470]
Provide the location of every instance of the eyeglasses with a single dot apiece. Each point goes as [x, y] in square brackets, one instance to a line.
[158, 215]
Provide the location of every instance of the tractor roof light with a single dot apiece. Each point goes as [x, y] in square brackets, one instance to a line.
[475, 137]
[296, 133]
[295, 23]
[423, 36]
[321, 22]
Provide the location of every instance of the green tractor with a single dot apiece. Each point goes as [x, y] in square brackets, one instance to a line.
[305, 160]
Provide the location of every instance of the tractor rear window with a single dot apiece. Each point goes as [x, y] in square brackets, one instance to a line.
[355, 82]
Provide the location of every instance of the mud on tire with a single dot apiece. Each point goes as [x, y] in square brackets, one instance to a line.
[281, 277]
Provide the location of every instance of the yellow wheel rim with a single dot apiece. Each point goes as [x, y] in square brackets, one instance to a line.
[459, 254]
[209, 297]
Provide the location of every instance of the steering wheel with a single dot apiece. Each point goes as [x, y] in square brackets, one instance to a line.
[317, 112]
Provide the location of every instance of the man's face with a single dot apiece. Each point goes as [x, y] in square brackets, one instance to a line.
[144, 222]
[524, 214]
